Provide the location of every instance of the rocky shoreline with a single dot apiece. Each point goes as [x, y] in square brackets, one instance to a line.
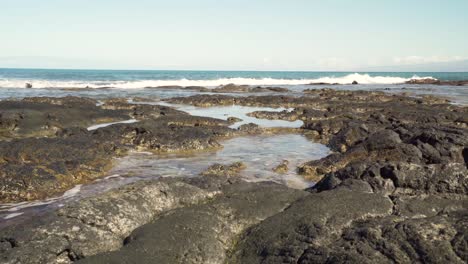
[395, 188]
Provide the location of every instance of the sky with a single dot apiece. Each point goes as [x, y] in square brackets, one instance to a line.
[232, 34]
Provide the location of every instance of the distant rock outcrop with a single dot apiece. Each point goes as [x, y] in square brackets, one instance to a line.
[437, 82]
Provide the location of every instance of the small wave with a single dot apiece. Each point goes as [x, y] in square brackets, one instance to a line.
[360, 78]
[367, 79]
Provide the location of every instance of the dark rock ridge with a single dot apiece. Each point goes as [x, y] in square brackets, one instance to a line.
[232, 88]
[228, 88]
[177, 87]
[437, 82]
[323, 83]
[313, 98]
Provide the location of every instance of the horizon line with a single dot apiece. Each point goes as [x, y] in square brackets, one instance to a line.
[187, 70]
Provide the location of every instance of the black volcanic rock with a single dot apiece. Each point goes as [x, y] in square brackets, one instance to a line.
[393, 190]
[438, 82]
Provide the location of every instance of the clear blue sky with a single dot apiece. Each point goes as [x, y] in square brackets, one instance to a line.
[236, 34]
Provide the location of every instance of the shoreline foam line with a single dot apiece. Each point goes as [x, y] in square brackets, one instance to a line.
[139, 84]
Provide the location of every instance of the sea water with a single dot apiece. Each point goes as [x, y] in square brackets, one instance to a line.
[126, 83]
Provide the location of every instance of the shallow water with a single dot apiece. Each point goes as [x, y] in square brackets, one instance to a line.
[260, 154]
[224, 112]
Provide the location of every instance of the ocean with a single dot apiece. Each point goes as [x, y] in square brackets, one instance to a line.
[58, 82]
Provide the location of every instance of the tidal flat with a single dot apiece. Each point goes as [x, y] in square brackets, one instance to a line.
[243, 176]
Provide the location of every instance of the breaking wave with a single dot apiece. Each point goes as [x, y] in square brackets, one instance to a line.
[348, 79]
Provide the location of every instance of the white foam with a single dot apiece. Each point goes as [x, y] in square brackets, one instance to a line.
[94, 127]
[360, 78]
[367, 79]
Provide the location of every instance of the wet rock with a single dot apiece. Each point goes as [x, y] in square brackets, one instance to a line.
[224, 170]
[250, 128]
[354, 83]
[232, 88]
[282, 168]
[28, 85]
[233, 119]
[269, 89]
[283, 115]
[145, 99]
